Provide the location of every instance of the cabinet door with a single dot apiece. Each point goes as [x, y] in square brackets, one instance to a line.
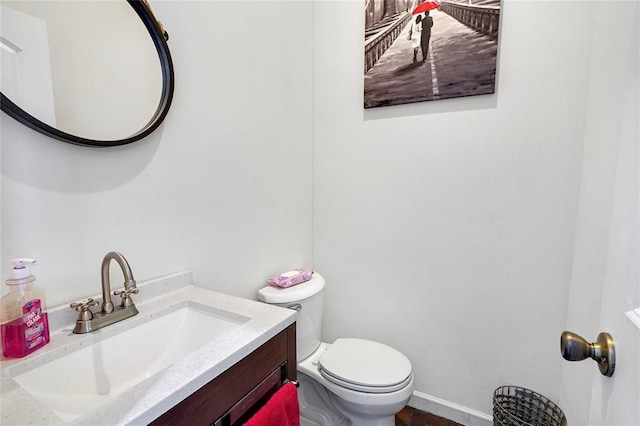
[255, 399]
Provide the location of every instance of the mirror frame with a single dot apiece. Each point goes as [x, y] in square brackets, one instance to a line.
[159, 37]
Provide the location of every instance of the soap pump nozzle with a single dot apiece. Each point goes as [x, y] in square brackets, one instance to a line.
[20, 270]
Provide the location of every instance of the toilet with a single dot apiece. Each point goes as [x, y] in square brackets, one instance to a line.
[351, 381]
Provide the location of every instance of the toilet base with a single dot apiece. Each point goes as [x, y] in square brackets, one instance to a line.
[386, 422]
[319, 407]
[306, 422]
[316, 404]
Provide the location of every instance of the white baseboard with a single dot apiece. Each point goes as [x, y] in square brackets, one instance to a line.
[449, 410]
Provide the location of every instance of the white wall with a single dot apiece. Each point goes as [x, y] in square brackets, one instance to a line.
[446, 229]
[223, 188]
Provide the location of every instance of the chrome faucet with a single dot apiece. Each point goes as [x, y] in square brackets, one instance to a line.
[129, 282]
[89, 321]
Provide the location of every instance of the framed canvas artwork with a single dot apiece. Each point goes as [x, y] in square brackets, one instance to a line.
[416, 51]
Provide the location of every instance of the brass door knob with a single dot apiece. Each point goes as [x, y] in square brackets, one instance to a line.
[575, 348]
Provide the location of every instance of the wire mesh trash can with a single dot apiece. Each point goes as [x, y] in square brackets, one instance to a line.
[517, 406]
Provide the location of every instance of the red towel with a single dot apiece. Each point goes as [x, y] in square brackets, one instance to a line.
[281, 410]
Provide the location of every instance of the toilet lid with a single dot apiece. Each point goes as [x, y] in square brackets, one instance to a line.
[365, 365]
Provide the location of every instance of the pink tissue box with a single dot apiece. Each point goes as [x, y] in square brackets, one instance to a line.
[291, 278]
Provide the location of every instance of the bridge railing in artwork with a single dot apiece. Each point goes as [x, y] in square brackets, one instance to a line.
[483, 19]
[377, 44]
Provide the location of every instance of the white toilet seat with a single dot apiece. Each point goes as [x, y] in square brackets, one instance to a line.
[365, 366]
[367, 389]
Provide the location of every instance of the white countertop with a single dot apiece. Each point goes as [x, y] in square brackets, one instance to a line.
[154, 396]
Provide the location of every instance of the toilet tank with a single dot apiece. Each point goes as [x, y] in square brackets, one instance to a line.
[307, 298]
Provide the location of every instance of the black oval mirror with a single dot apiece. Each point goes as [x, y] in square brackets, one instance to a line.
[55, 80]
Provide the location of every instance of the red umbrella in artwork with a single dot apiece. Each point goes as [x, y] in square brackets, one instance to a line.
[424, 6]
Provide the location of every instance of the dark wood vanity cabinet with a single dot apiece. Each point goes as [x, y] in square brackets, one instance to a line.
[238, 393]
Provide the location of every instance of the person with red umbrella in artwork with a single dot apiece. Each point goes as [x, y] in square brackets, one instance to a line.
[425, 27]
[425, 34]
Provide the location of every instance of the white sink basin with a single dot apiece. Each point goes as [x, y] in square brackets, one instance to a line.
[91, 377]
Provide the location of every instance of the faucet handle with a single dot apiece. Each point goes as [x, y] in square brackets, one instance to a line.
[126, 292]
[125, 295]
[84, 307]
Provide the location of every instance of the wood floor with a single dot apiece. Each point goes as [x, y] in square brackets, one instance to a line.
[411, 417]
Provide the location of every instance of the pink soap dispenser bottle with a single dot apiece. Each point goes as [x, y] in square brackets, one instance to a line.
[25, 325]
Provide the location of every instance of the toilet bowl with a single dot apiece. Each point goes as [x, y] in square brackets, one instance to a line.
[349, 382]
